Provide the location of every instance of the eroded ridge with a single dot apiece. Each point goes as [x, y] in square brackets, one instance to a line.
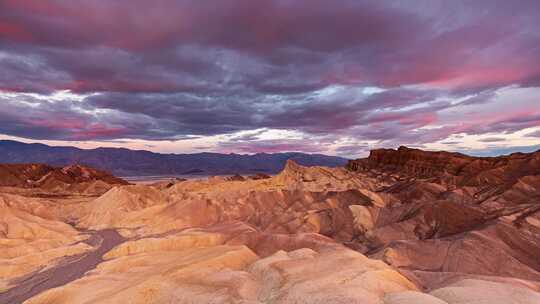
[402, 226]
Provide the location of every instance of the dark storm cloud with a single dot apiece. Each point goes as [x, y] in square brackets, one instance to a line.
[65, 120]
[534, 134]
[186, 113]
[508, 124]
[344, 41]
[198, 114]
[491, 139]
[166, 69]
[353, 150]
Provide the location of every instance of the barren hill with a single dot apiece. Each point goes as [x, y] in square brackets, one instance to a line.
[73, 178]
[399, 227]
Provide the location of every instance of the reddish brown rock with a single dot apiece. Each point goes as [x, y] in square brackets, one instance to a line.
[453, 168]
[449, 214]
[74, 178]
[458, 229]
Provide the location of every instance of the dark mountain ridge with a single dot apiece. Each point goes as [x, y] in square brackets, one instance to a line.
[125, 162]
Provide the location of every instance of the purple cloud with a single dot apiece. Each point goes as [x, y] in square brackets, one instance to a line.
[169, 69]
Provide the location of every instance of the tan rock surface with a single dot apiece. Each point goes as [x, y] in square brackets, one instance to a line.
[196, 275]
[29, 243]
[233, 274]
[477, 291]
[420, 227]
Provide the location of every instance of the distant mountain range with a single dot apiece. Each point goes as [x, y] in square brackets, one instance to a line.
[125, 162]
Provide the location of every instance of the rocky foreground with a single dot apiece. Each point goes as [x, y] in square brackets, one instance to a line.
[400, 227]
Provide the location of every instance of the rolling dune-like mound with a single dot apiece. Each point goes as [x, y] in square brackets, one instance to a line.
[29, 243]
[400, 227]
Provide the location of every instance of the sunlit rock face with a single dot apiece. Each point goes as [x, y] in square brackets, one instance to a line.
[67, 180]
[29, 243]
[448, 215]
[400, 227]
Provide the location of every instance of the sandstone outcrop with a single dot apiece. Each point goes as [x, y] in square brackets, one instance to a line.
[69, 179]
[449, 214]
[448, 168]
[400, 227]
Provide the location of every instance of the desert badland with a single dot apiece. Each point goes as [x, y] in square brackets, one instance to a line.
[399, 227]
[270, 152]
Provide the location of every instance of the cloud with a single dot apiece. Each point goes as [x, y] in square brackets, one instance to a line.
[534, 134]
[492, 139]
[377, 43]
[354, 151]
[272, 145]
[349, 70]
[67, 120]
[502, 150]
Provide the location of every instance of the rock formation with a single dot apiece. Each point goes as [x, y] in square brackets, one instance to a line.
[70, 179]
[400, 227]
[448, 214]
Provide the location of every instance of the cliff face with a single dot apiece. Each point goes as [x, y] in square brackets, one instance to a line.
[452, 213]
[447, 167]
[412, 161]
[461, 229]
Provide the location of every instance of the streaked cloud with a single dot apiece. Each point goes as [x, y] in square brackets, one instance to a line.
[342, 76]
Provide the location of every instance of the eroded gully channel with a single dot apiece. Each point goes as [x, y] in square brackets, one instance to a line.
[69, 269]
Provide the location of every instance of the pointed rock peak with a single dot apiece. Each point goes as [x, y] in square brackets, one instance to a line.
[292, 169]
[73, 168]
[291, 165]
[80, 171]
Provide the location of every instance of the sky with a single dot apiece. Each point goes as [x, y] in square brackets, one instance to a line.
[337, 77]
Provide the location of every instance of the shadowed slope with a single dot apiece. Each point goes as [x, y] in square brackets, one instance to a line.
[458, 231]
